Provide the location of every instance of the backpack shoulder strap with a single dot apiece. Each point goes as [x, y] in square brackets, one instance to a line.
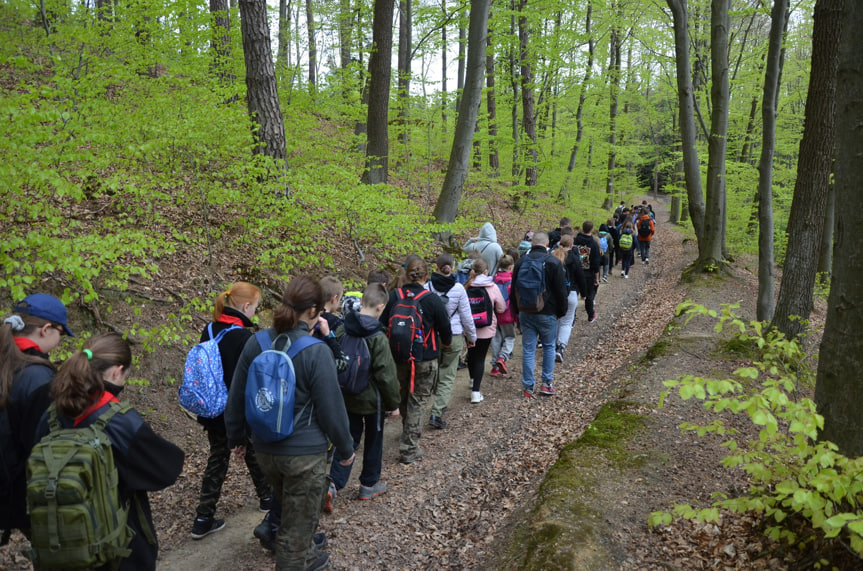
[114, 407]
[263, 337]
[221, 334]
[302, 343]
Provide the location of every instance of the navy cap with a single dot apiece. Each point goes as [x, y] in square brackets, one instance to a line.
[47, 307]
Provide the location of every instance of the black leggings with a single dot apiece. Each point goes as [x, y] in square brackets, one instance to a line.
[476, 361]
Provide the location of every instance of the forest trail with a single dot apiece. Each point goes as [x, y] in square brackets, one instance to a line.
[451, 508]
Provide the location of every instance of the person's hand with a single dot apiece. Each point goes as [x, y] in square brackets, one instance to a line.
[349, 461]
[470, 344]
[239, 451]
[393, 413]
[323, 326]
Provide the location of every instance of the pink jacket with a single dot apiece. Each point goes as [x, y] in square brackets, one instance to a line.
[508, 315]
[496, 300]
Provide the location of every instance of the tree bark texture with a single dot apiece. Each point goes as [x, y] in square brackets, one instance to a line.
[283, 61]
[613, 90]
[579, 112]
[313, 47]
[404, 67]
[808, 207]
[691, 167]
[447, 205]
[377, 148]
[513, 74]
[222, 41]
[528, 112]
[262, 92]
[711, 245]
[443, 70]
[825, 254]
[491, 108]
[461, 64]
[766, 260]
[839, 387]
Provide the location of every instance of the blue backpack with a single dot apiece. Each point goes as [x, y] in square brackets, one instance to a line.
[355, 379]
[271, 386]
[530, 284]
[203, 391]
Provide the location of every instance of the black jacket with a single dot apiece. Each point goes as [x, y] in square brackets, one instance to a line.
[230, 348]
[556, 292]
[145, 462]
[575, 273]
[595, 255]
[435, 318]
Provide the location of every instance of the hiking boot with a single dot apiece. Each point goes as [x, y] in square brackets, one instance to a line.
[547, 390]
[266, 504]
[437, 422]
[322, 560]
[411, 459]
[476, 397]
[501, 364]
[331, 498]
[528, 393]
[265, 532]
[204, 526]
[369, 492]
[495, 370]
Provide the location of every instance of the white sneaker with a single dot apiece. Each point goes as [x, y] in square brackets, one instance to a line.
[475, 397]
[622, 274]
[626, 276]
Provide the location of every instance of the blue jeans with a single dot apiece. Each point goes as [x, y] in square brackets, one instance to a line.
[544, 327]
[372, 426]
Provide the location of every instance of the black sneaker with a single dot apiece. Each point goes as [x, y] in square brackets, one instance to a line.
[204, 526]
[437, 422]
[266, 504]
[461, 364]
[322, 560]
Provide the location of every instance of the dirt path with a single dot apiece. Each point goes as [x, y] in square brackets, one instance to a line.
[448, 509]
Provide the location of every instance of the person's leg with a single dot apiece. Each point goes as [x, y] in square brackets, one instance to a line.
[529, 334]
[564, 328]
[508, 330]
[215, 472]
[262, 487]
[496, 344]
[416, 404]
[446, 378]
[646, 250]
[373, 450]
[476, 362]
[341, 474]
[588, 300]
[548, 335]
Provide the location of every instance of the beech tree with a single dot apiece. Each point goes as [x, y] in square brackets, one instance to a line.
[840, 368]
[377, 147]
[528, 112]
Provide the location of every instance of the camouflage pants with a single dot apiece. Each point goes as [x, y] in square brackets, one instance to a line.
[415, 406]
[300, 483]
[217, 469]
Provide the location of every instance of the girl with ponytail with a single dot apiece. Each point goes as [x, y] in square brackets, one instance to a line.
[87, 386]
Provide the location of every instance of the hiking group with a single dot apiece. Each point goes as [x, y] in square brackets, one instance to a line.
[293, 401]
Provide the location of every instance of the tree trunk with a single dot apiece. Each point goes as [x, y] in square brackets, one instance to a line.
[839, 388]
[766, 260]
[513, 74]
[613, 89]
[443, 93]
[825, 254]
[377, 149]
[447, 205]
[491, 108]
[527, 106]
[711, 245]
[691, 167]
[461, 64]
[813, 174]
[579, 113]
[313, 48]
[262, 92]
[404, 67]
[283, 60]
[222, 42]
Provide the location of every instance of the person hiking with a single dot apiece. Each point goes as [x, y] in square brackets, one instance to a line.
[296, 466]
[481, 286]
[646, 228]
[417, 368]
[504, 338]
[87, 386]
[588, 247]
[351, 299]
[576, 286]
[35, 328]
[627, 248]
[554, 235]
[452, 293]
[233, 311]
[368, 409]
[486, 244]
[540, 301]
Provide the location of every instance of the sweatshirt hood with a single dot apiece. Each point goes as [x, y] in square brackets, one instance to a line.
[442, 283]
[360, 325]
[487, 232]
[482, 281]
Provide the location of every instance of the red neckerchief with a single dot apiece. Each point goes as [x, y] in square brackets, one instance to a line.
[230, 320]
[103, 400]
[23, 344]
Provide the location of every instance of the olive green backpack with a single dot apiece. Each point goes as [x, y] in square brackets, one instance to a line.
[76, 517]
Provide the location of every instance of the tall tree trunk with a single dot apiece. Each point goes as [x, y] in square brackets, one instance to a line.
[283, 59]
[766, 260]
[404, 67]
[711, 245]
[513, 75]
[613, 88]
[313, 48]
[813, 173]
[527, 107]
[685, 94]
[447, 205]
[839, 388]
[377, 149]
[262, 92]
[462, 32]
[222, 42]
[579, 112]
[825, 254]
[589, 166]
[345, 34]
[491, 108]
[443, 70]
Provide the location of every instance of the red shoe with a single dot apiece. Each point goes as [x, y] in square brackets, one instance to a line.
[501, 364]
[495, 370]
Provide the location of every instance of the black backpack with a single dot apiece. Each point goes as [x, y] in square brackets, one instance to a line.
[355, 379]
[405, 330]
[530, 284]
[481, 307]
[644, 228]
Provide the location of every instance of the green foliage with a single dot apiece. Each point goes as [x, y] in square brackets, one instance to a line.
[791, 472]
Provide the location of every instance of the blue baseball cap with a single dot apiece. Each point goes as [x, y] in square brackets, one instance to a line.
[47, 307]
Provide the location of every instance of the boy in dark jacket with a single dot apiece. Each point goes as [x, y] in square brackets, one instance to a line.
[585, 239]
[366, 410]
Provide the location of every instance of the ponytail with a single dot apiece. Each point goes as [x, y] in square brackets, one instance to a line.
[80, 381]
[236, 296]
[301, 294]
[11, 358]
[479, 267]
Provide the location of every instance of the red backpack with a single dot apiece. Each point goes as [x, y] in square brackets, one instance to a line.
[407, 338]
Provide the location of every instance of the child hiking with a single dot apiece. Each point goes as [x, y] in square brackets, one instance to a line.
[504, 338]
[485, 301]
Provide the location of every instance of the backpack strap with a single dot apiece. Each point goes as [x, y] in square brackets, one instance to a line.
[302, 343]
[114, 407]
[220, 334]
[263, 337]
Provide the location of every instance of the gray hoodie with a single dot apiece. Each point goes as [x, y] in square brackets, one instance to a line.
[487, 245]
